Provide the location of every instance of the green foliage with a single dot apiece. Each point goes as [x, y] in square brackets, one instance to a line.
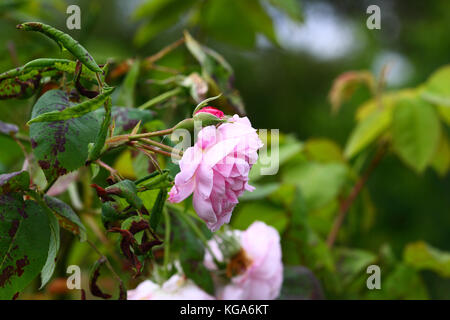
[14, 182]
[24, 243]
[126, 189]
[367, 131]
[424, 257]
[158, 207]
[53, 248]
[302, 202]
[68, 219]
[76, 111]
[218, 18]
[127, 91]
[64, 41]
[62, 146]
[415, 131]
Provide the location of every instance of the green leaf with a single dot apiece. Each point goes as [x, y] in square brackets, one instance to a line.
[444, 114]
[220, 17]
[67, 218]
[64, 41]
[50, 264]
[260, 192]
[95, 149]
[126, 189]
[247, 213]
[109, 213]
[424, 257]
[126, 119]
[160, 14]
[127, 90]
[290, 7]
[323, 150]
[352, 262]
[40, 65]
[204, 103]
[319, 183]
[22, 86]
[60, 147]
[259, 18]
[218, 74]
[367, 131]
[24, 243]
[14, 182]
[402, 283]
[155, 180]
[437, 87]
[286, 151]
[441, 159]
[156, 214]
[415, 132]
[75, 111]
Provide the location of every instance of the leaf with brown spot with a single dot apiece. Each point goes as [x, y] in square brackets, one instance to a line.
[67, 218]
[126, 245]
[24, 243]
[61, 146]
[14, 182]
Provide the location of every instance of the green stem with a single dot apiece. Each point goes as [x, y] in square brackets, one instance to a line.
[199, 233]
[49, 185]
[150, 134]
[166, 242]
[162, 97]
[146, 147]
[161, 146]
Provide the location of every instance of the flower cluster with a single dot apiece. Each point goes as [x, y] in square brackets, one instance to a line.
[216, 169]
[255, 271]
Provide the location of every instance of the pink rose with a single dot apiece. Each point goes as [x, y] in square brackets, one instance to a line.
[216, 170]
[256, 271]
[176, 288]
[216, 112]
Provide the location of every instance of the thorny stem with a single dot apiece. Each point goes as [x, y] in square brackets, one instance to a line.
[346, 204]
[111, 170]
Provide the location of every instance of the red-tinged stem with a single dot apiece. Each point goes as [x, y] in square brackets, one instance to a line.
[346, 204]
[151, 134]
[144, 146]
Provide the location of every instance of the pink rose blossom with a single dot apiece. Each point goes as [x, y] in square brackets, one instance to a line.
[216, 112]
[176, 288]
[216, 170]
[260, 256]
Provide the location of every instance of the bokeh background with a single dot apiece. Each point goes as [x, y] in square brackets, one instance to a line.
[284, 69]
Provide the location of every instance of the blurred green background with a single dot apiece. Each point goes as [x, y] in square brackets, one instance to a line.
[284, 68]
